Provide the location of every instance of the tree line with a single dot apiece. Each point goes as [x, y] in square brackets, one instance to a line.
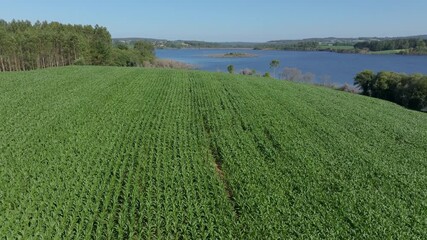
[412, 45]
[26, 46]
[407, 90]
[406, 46]
[297, 46]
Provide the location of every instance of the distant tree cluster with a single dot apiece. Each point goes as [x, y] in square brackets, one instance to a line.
[302, 46]
[291, 46]
[413, 45]
[26, 46]
[407, 90]
[138, 54]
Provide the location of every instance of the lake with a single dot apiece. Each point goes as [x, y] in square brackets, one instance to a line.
[338, 68]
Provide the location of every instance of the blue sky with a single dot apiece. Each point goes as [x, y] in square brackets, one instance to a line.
[231, 20]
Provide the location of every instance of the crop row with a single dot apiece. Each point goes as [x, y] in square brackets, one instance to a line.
[118, 153]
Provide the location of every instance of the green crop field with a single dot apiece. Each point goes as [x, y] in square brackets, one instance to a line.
[128, 153]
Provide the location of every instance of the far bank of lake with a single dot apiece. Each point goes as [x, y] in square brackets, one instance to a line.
[338, 68]
[233, 55]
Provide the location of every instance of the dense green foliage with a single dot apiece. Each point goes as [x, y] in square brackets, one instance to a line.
[130, 153]
[408, 46]
[132, 55]
[407, 90]
[26, 46]
[302, 46]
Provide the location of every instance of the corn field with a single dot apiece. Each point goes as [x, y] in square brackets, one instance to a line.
[127, 153]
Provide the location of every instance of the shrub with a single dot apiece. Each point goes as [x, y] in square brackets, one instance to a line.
[248, 72]
[407, 90]
[296, 75]
[80, 61]
[267, 75]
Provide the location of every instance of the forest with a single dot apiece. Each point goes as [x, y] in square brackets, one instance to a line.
[26, 46]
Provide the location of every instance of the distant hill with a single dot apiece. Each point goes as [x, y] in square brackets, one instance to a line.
[163, 43]
[346, 40]
[137, 39]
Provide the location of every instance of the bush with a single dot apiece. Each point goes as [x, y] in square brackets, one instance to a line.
[248, 72]
[267, 75]
[347, 88]
[230, 69]
[80, 61]
[295, 75]
[407, 90]
[166, 63]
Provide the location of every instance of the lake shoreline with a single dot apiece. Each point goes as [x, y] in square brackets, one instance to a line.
[311, 50]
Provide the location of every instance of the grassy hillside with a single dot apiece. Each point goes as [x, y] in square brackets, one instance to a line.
[134, 153]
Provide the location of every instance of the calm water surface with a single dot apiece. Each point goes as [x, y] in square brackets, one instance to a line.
[337, 67]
